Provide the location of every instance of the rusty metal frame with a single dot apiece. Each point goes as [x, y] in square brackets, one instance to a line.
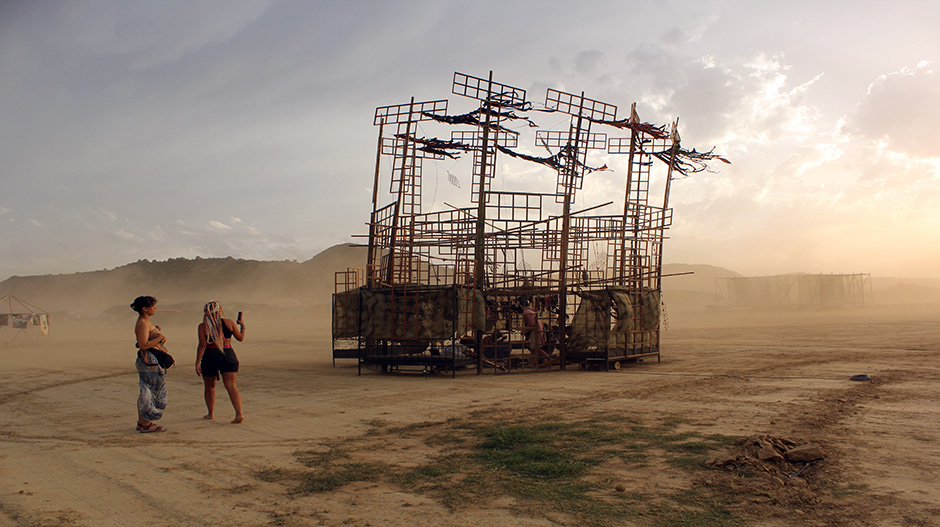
[508, 245]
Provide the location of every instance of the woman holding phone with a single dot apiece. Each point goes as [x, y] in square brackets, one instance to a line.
[215, 356]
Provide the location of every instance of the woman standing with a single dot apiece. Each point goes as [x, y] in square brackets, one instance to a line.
[215, 355]
[532, 328]
[152, 399]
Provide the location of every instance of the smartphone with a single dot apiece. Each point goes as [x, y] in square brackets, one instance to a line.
[239, 317]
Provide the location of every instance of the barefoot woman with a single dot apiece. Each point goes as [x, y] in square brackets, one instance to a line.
[152, 399]
[215, 355]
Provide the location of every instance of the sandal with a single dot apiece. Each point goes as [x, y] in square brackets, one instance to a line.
[152, 427]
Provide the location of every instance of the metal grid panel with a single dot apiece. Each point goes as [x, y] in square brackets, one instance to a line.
[402, 266]
[382, 223]
[618, 145]
[347, 280]
[484, 89]
[395, 146]
[406, 183]
[475, 138]
[574, 143]
[487, 172]
[561, 138]
[405, 113]
[443, 227]
[580, 105]
[516, 206]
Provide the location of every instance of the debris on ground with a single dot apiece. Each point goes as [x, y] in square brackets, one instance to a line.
[776, 455]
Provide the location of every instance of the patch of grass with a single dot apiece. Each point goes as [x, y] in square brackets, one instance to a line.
[689, 463]
[685, 517]
[450, 478]
[328, 480]
[313, 458]
[275, 475]
[691, 447]
[448, 438]
[537, 452]
[720, 440]
[543, 465]
[638, 458]
[427, 472]
[695, 508]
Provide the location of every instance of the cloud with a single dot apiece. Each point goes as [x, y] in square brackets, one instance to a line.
[219, 226]
[679, 35]
[125, 236]
[586, 62]
[902, 110]
[154, 34]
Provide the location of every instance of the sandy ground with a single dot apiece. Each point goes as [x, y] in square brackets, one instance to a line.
[69, 454]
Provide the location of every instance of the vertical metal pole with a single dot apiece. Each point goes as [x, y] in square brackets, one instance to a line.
[626, 201]
[370, 259]
[662, 227]
[565, 226]
[401, 187]
[479, 253]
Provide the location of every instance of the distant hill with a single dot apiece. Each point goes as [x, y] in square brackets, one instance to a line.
[906, 290]
[691, 286]
[181, 280]
[694, 277]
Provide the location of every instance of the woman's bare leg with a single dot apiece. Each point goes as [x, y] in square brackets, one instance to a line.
[229, 380]
[210, 396]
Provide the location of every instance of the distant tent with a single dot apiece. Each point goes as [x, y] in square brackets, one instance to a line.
[19, 315]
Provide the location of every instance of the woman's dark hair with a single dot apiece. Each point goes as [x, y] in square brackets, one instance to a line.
[142, 302]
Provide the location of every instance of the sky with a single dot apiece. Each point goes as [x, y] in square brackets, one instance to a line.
[152, 130]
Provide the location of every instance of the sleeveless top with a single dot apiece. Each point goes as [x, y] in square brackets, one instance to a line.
[226, 332]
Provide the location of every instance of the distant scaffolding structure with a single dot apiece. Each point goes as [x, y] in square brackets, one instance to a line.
[794, 290]
[19, 315]
[512, 279]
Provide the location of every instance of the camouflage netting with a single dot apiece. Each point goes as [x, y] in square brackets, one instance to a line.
[346, 315]
[591, 325]
[648, 305]
[621, 299]
[429, 314]
[388, 314]
[649, 311]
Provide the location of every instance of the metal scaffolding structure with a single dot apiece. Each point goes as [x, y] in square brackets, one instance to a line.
[793, 290]
[513, 279]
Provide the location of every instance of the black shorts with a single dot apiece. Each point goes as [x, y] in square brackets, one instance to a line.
[215, 361]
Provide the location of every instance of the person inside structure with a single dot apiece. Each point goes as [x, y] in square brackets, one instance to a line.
[532, 328]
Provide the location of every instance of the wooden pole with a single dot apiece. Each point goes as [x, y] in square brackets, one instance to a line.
[370, 265]
[401, 187]
[479, 253]
[565, 227]
[626, 201]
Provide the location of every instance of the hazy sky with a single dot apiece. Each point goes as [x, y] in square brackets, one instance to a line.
[132, 129]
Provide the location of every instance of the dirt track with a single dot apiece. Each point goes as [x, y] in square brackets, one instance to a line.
[70, 455]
